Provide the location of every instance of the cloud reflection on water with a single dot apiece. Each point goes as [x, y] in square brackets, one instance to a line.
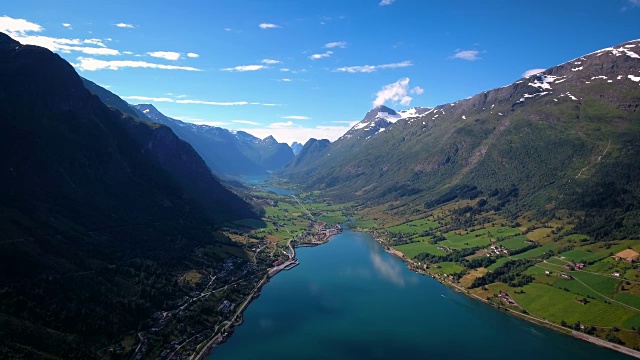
[390, 269]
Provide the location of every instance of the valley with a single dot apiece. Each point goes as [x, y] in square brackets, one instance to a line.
[227, 199]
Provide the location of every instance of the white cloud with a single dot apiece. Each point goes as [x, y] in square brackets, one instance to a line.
[634, 2]
[20, 30]
[386, 2]
[372, 68]
[246, 122]
[167, 55]
[91, 64]
[97, 42]
[281, 125]
[336, 44]
[228, 29]
[396, 93]
[270, 61]
[534, 71]
[285, 69]
[67, 25]
[244, 68]
[296, 117]
[469, 55]
[123, 25]
[285, 80]
[192, 55]
[146, 98]
[289, 132]
[208, 123]
[320, 56]
[127, 52]
[13, 26]
[180, 99]
[268, 26]
[64, 45]
[215, 103]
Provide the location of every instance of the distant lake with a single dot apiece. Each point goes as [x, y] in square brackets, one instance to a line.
[255, 179]
[349, 299]
[286, 192]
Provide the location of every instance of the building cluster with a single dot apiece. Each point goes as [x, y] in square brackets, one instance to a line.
[497, 250]
[226, 306]
[628, 255]
[505, 296]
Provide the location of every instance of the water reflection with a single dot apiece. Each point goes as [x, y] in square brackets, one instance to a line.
[388, 267]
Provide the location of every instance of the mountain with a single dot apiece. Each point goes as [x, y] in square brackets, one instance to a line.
[296, 147]
[378, 119]
[565, 138]
[243, 153]
[228, 153]
[99, 210]
[306, 160]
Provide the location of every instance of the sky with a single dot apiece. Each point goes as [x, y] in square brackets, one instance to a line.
[297, 69]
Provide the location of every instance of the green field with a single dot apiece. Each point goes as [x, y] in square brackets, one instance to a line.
[629, 299]
[447, 268]
[415, 227]
[501, 231]
[556, 305]
[534, 253]
[498, 263]
[333, 218]
[468, 240]
[413, 249]
[516, 242]
[363, 224]
[582, 255]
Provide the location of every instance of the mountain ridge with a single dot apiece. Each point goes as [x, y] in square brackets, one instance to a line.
[580, 108]
[93, 201]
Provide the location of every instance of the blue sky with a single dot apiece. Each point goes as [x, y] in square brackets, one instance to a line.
[307, 68]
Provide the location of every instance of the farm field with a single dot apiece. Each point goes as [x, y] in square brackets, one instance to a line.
[413, 249]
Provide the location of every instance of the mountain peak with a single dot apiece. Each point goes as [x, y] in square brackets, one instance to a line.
[270, 140]
[7, 40]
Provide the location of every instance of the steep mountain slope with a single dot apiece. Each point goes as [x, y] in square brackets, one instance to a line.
[227, 152]
[296, 147]
[92, 202]
[311, 154]
[568, 137]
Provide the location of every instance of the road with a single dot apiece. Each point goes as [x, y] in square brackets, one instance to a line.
[225, 325]
[303, 208]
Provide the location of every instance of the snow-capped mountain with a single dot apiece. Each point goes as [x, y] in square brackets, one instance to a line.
[380, 118]
[557, 135]
[227, 152]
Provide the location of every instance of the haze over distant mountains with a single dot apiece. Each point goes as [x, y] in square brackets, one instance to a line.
[226, 152]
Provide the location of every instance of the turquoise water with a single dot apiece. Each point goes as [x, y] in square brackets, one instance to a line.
[349, 299]
[285, 192]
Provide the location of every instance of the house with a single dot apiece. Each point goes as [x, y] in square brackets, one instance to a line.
[547, 272]
[629, 255]
[616, 274]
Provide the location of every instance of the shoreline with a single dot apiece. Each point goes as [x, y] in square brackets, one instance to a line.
[218, 338]
[527, 317]
[211, 344]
